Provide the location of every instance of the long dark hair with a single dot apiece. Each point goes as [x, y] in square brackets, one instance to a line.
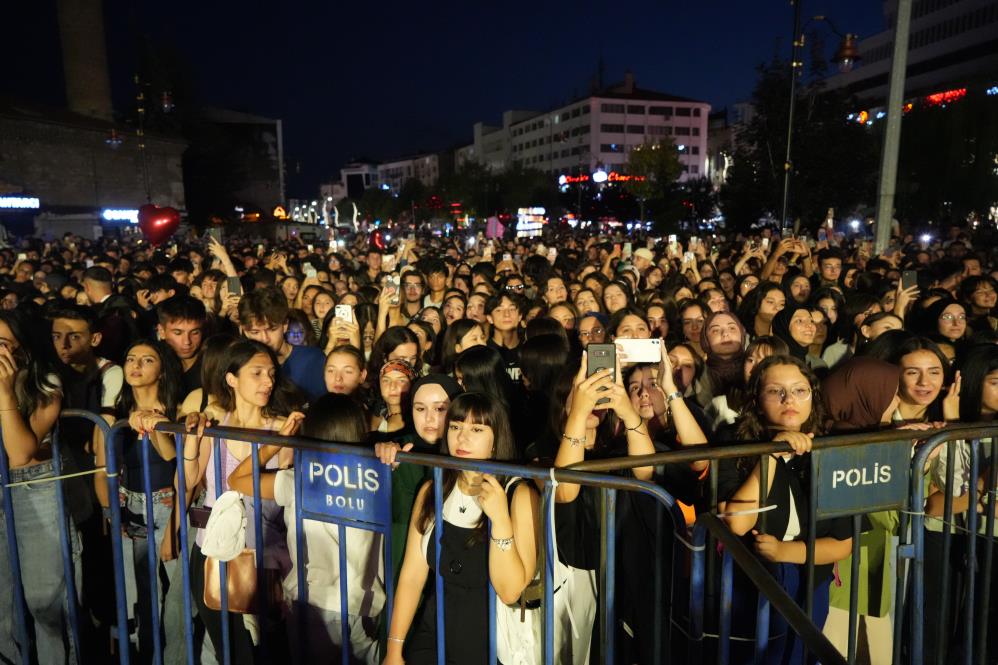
[391, 339]
[455, 333]
[237, 355]
[33, 386]
[975, 366]
[751, 426]
[480, 409]
[934, 411]
[336, 418]
[168, 385]
[484, 371]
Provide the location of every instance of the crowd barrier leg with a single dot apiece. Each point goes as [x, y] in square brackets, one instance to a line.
[854, 589]
[697, 590]
[152, 557]
[222, 567]
[608, 557]
[549, 568]
[112, 455]
[438, 512]
[984, 628]
[14, 562]
[727, 597]
[969, 602]
[185, 561]
[69, 565]
[261, 588]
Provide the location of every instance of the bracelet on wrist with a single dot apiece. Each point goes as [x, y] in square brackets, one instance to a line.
[576, 442]
[396, 639]
[504, 544]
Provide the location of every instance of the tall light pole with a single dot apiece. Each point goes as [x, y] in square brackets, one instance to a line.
[892, 132]
[845, 57]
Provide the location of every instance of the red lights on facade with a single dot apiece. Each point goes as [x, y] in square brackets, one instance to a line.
[946, 97]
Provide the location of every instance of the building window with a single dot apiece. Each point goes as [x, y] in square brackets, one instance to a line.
[637, 109]
[612, 108]
[610, 147]
[696, 131]
[575, 151]
[635, 129]
[682, 131]
[585, 129]
[694, 150]
[585, 108]
[661, 110]
[694, 169]
[696, 113]
[611, 128]
[683, 111]
[576, 112]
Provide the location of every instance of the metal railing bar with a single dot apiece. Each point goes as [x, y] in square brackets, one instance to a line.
[811, 635]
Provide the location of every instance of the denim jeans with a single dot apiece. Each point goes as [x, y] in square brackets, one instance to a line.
[37, 529]
[138, 586]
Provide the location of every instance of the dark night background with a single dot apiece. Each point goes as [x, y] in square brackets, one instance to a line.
[383, 79]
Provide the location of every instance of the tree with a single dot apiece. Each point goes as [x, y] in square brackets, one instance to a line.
[702, 198]
[655, 168]
[834, 159]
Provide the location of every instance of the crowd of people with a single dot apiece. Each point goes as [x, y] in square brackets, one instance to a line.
[480, 349]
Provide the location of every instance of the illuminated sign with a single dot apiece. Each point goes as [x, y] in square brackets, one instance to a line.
[20, 202]
[120, 215]
[620, 177]
[599, 177]
[946, 97]
[280, 213]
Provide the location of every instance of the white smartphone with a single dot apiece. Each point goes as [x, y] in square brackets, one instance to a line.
[639, 350]
[311, 248]
[765, 243]
[343, 312]
[308, 269]
[507, 256]
[628, 248]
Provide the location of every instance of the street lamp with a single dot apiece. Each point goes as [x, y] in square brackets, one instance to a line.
[845, 57]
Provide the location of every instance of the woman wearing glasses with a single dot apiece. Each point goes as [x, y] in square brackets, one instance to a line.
[783, 405]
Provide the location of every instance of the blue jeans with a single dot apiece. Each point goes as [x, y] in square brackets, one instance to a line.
[140, 593]
[37, 529]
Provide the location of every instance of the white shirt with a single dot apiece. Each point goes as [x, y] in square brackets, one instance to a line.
[365, 559]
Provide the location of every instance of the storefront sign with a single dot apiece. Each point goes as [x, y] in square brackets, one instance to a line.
[861, 479]
[20, 202]
[346, 487]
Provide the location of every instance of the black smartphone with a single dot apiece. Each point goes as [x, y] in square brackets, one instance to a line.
[599, 356]
[235, 286]
[909, 278]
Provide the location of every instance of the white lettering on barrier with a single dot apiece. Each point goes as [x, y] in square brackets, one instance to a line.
[341, 476]
[344, 502]
[862, 476]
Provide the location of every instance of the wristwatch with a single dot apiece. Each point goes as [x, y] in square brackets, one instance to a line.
[673, 396]
[504, 544]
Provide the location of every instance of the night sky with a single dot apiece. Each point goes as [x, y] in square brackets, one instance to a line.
[380, 79]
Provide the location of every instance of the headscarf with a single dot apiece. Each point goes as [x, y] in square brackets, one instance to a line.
[398, 365]
[781, 327]
[450, 386]
[858, 392]
[727, 371]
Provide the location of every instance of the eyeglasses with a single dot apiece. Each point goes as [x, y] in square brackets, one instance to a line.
[776, 395]
[591, 332]
[950, 318]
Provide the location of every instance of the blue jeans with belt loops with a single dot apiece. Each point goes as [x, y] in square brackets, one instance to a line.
[36, 524]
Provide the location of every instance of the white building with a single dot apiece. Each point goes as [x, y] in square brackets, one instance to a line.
[952, 43]
[425, 168]
[598, 130]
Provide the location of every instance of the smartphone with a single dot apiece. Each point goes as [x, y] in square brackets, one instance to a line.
[628, 248]
[392, 283]
[909, 278]
[388, 262]
[507, 256]
[672, 239]
[87, 262]
[822, 235]
[639, 350]
[411, 237]
[234, 285]
[765, 243]
[22, 257]
[308, 269]
[343, 312]
[215, 234]
[689, 257]
[311, 248]
[599, 356]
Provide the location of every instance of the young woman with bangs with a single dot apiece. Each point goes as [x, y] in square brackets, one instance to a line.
[489, 533]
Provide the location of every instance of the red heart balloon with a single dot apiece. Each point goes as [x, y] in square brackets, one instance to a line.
[157, 223]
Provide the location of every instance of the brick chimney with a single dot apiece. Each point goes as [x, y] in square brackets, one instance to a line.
[84, 57]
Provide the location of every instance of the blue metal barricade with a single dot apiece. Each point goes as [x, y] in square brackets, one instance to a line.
[965, 603]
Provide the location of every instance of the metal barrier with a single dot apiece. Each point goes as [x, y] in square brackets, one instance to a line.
[709, 578]
[829, 455]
